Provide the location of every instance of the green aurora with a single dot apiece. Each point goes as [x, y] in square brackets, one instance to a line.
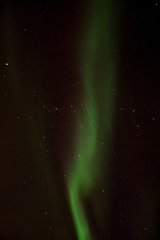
[98, 66]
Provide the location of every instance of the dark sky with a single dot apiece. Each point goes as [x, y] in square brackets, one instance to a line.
[42, 100]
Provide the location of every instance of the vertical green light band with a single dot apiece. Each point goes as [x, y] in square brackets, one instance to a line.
[96, 114]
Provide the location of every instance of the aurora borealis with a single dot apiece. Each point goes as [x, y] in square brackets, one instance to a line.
[79, 155]
[88, 161]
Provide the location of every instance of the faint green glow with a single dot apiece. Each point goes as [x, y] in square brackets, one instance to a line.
[28, 120]
[96, 113]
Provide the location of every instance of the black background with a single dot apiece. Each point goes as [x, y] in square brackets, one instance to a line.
[37, 124]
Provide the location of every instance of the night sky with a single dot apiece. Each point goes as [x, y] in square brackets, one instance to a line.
[80, 120]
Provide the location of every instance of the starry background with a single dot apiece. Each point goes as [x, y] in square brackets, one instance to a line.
[42, 93]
